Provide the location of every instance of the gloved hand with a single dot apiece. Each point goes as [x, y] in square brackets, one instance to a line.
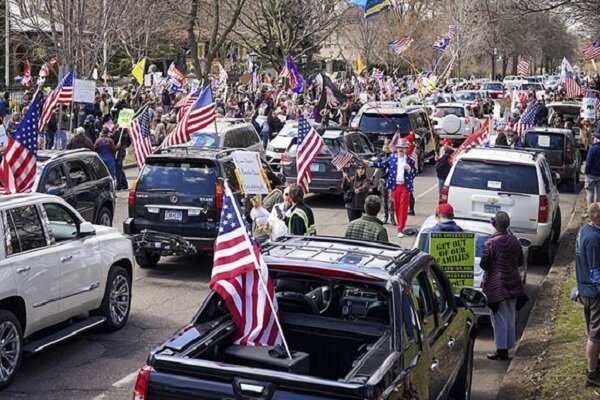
[575, 295]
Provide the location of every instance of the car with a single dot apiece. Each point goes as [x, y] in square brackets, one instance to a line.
[81, 179]
[535, 87]
[228, 133]
[560, 149]
[61, 276]
[483, 181]
[568, 111]
[325, 176]
[482, 230]
[363, 320]
[479, 103]
[454, 121]
[495, 89]
[179, 192]
[551, 82]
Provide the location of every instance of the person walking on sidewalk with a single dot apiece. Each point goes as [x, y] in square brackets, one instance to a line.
[355, 192]
[592, 170]
[502, 256]
[587, 268]
[368, 227]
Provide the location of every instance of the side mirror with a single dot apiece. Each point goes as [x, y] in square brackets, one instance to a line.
[434, 122]
[556, 177]
[86, 229]
[473, 298]
[55, 190]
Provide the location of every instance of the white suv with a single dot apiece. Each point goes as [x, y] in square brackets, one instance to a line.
[54, 268]
[483, 181]
[455, 121]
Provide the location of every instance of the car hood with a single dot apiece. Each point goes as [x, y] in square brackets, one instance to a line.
[281, 142]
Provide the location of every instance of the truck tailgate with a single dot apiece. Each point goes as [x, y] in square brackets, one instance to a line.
[178, 378]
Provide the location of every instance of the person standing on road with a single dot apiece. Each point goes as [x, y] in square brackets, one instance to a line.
[80, 141]
[355, 192]
[592, 170]
[502, 256]
[402, 171]
[368, 227]
[587, 268]
[444, 214]
[106, 149]
[443, 165]
[301, 221]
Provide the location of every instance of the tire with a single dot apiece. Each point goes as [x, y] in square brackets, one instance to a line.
[462, 386]
[147, 260]
[11, 335]
[104, 217]
[116, 302]
[543, 255]
[556, 226]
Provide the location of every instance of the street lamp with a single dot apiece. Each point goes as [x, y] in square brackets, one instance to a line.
[494, 63]
[253, 57]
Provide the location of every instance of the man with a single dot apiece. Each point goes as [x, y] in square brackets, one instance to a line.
[402, 171]
[442, 165]
[541, 118]
[592, 170]
[80, 140]
[121, 138]
[513, 139]
[501, 258]
[587, 268]
[368, 227]
[444, 213]
[279, 212]
[301, 221]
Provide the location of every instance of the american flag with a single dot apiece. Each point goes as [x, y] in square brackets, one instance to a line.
[341, 159]
[309, 146]
[528, 118]
[401, 45]
[63, 94]
[474, 140]
[592, 50]
[223, 77]
[240, 276]
[568, 79]
[200, 115]
[185, 103]
[442, 43]
[45, 70]
[452, 30]
[139, 133]
[522, 66]
[17, 169]
[377, 73]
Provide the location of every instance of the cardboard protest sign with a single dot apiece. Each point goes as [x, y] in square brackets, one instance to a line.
[249, 172]
[588, 108]
[455, 253]
[125, 117]
[84, 91]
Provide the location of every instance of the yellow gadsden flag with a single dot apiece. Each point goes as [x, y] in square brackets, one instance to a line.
[360, 66]
[138, 70]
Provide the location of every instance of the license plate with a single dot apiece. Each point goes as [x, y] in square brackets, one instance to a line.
[491, 208]
[173, 215]
[314, 167]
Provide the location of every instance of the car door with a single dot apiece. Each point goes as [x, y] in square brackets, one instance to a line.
[84, 188]
[35, 267]
[55, 181]
[79, 260]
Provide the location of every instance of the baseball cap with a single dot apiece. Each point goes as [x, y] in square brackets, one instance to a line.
[444, 208]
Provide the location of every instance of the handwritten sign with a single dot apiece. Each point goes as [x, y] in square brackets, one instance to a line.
[125, 117]
[84, 91]
[588, 108]
[455, 253]
[249, 171]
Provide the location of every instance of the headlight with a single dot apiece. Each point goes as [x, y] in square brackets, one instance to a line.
[270, 148]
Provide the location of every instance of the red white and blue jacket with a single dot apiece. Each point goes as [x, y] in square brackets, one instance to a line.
[391, 163]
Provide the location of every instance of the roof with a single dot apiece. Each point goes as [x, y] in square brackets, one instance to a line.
[550, 130]
[461, 105]
[185, 151]
[500, 155]
[9, 199]
[468, 225]
[340, 257]
[565, 104]
[45, 155]
[332, 133]
[388, 107]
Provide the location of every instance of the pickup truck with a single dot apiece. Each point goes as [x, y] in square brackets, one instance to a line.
[363, 321]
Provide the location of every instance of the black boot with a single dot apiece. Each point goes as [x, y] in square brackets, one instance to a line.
[500, 354]
[411, 208]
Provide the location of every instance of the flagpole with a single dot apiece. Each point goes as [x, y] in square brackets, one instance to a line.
[594, 64]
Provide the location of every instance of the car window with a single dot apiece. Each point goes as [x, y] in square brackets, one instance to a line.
[545, 140]
[98, 167]
[331, 146]
[546, 177]
[25, 228]
[56, 178]
[205, 139]
[441, 112]
[504, 177]
[197, 177]
[440, 296]
[367, 147]
[63, 224]
[353, 143]
[252, 136]
[421, 291]
[78, 173]
[492, 86]
[384, 123]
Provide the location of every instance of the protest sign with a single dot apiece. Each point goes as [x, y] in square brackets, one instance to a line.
[249, 172]
[588, 108]
[125, 117]
[84, 91]
[455, 253]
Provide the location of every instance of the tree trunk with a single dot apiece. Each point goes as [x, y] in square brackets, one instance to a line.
[192, 41]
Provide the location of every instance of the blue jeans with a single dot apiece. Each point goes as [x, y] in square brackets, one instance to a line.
[60, 141]
[592, 187]
[265, 138]
[50, 139]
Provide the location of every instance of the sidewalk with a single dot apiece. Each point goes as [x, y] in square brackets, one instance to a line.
[550, 360]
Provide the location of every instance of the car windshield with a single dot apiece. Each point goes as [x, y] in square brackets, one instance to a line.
[480, 239]
[289, 131]
[204, 139]
[332, 146]
[531, 86]
[197, 177]
[441, 112]
[566, 113]
[544, 140]
[496, 176]
[466, 96]
[384, 123]
[492, 86]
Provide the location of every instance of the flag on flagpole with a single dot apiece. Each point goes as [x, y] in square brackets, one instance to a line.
[452, 30]
[374, 7]
[26, 81]
[200, 115]
[309, 146]
[175, 78]
[223, 76]
[527, 120]
[475, 139]
[567, 76]
[182, 105]
[45, 70]
[141, 137]
[138, 71]
[522, 66]
[241, 277]
[360, 66]
[342, 159]
[401, 45]
[591, 51]
[331, 96]
[296, 80]
[18, 165]
[441, 43]
[62, 94]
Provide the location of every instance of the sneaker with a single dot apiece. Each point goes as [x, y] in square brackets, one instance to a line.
[593, 378]
[400, 234]
[501, 355]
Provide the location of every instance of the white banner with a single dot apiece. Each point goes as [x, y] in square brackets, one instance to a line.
[84, 91]
[588, 108]
[249, 171]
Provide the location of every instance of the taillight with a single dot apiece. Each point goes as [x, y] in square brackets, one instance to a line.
[218, 196]
[140, 391]
[286, 159]
[131, 198]
[444, 194]
[543, 210]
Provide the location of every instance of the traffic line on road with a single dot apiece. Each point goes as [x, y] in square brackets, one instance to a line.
[425, 193]
[128, 380]
[99, 397]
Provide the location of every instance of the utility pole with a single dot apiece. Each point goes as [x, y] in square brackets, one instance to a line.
[7, 43]
[104, 45]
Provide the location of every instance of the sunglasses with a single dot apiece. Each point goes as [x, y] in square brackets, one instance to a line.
[360, 168]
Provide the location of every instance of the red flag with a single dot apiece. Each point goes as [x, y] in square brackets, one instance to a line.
[26, 74]
[475, 139]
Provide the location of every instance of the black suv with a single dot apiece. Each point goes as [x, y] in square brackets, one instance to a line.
[81, 179]
[179, 191]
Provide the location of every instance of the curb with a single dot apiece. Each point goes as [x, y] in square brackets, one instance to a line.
[535, 338]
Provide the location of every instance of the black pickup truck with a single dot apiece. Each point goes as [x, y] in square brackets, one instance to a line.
[363, 321]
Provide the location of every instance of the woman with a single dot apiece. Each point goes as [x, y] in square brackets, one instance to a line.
[106, 149]
[357, 189]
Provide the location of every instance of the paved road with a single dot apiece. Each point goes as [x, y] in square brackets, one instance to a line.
[103, 366]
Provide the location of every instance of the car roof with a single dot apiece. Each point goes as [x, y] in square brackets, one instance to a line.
[374, 261]
[8, 200]
[47, 155]
[468, 225]
[461, 105]
[494, 82]
[186, 151]
[500, 154]
[538, 129]
[571, 103]
[332, 133]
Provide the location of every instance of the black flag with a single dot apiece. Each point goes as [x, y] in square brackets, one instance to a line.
[331, 97]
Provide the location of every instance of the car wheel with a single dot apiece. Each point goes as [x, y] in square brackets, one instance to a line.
[543, 255]
[104, 217]
[462, 386]
[556, 226]
[11, 347]
[116, 303]
[147, 259]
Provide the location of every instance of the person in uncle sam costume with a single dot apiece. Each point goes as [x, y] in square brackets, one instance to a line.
[402, 172]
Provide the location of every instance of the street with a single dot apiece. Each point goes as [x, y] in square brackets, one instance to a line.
[104, 366]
